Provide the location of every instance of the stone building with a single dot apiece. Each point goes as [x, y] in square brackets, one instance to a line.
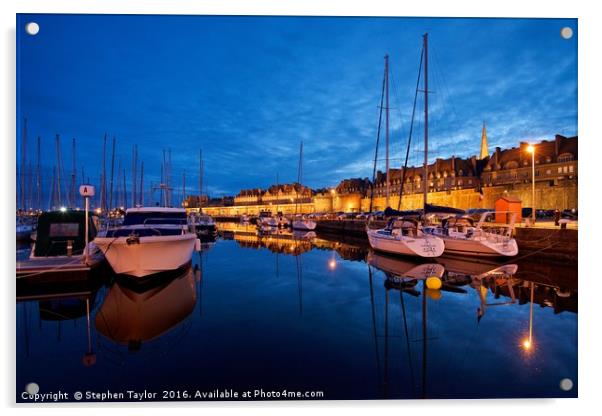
[458, 182]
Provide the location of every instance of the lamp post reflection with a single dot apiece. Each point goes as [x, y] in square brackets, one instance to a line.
[528, 342]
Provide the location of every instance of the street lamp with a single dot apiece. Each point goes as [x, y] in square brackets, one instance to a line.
[531, 149]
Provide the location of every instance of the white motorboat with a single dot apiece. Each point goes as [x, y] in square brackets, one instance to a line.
[404, 236]
[462, 237]
[151, 240]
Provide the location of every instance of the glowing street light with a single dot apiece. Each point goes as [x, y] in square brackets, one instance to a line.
[63, 209]
[531, 149]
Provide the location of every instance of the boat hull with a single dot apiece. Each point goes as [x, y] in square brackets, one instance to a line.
[304, 225]
[422, 246]
[480, 248]
[154, 254]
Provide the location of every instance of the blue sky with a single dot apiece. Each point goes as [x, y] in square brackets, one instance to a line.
[247, 90]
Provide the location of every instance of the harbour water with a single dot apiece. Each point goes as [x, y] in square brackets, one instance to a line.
[306, 313]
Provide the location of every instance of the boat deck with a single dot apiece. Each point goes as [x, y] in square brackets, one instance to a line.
[32, 268]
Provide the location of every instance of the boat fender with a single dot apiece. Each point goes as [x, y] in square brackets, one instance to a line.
[197, 244]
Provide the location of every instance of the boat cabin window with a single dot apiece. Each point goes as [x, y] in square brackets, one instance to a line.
[157, 217]
[64, 229]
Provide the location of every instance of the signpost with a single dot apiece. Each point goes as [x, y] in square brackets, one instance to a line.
[86, 191]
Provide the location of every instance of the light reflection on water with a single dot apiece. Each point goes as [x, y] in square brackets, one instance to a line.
[281, 311]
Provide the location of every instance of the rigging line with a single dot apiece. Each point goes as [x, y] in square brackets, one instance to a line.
[405, 165]
[405, 326]
[380, 118]
[445, 84]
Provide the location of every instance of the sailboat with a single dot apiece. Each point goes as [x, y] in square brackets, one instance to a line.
[463, 237]
[405, 235]
[300, 222]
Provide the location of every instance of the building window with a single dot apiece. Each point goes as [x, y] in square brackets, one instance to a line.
[571, 168]
[565, 157]
[559, 169]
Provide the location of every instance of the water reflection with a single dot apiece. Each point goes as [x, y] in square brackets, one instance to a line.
[132, 315]
[358, 323]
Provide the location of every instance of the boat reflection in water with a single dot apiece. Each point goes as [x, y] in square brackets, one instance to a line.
[132, 315]
[404, 271]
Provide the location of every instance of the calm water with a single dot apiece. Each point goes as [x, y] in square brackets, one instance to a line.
[273, 313]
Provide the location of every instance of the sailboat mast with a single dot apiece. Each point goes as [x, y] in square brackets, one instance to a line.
[23, 162]
[426, 118]
[387, 128]
[134, 167]
[183, 187]
[112, 172]
[201, 180]
[38, 178]
[299, 175]
[73, 173]
[141, 195]
[58, 170]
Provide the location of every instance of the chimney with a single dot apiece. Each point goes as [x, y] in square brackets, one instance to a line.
[497, 157]
[557, 146]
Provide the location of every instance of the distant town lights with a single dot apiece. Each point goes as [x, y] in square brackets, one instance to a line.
[63, 209]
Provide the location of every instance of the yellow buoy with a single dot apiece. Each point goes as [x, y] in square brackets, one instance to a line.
[433, 283]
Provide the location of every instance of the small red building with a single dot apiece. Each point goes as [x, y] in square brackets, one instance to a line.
[504, 206]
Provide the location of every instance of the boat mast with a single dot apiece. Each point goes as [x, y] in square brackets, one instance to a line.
[23, 162]
[103, 176]
[299, 175]
[200, 180]
[380, 118]
[183, 187]
[387, 128]
[58, 170]
[38, 178]
[426, 119]
[73, 174]
[112, 172]
[134, 168]
[141, 195]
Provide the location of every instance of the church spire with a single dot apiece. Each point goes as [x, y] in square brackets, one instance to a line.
[484, 147]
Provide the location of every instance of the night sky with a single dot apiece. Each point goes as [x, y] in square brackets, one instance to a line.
[247, 90]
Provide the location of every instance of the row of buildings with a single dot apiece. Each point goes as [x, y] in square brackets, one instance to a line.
[474, 182]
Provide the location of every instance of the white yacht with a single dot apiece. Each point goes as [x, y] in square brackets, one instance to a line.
[151, 240]
[463, 237]
[405, 236]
